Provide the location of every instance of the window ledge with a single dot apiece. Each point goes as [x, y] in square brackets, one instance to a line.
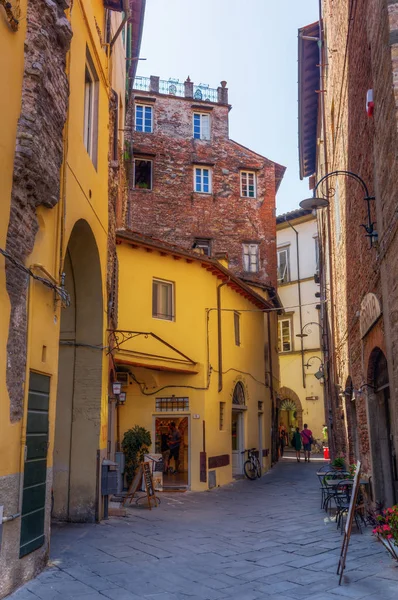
[134, 189]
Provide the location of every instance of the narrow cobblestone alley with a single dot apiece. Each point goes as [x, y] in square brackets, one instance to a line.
[246, 541]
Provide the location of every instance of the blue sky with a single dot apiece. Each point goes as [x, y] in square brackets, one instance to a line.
[252, 44]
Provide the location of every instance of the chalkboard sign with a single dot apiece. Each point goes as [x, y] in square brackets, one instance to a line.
[150, 489]
[348, 525]
[134, 486]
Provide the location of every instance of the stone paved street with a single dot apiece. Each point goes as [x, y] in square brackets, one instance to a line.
[247, 541]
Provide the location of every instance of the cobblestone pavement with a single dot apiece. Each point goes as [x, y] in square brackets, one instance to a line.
[249, 540]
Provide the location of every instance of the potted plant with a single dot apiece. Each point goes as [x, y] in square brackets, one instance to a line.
[387, 530]
[339, 462]
[135, 444]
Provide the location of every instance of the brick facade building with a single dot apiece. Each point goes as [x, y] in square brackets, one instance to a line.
[192, 185]
[359, 48]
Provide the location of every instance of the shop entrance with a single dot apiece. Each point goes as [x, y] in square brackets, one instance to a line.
[176, 462]
[383, 456]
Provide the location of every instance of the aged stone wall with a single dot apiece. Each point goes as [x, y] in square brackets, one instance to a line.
[362, 54]
[174, 212]
[38, 158]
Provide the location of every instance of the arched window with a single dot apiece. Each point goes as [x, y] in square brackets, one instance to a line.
[239, 395]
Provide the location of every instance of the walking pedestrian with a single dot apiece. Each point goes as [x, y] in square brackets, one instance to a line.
[282, 441]
[296, 443]
[306, 435]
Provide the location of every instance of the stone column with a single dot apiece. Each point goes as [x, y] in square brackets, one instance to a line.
[154, 84]
[222, 93]
[188, 88]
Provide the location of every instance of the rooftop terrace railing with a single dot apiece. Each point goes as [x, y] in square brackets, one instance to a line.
[186, 89]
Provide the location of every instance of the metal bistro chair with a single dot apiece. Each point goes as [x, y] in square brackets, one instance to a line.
[326, 469]
[343, 497]
[330, 492]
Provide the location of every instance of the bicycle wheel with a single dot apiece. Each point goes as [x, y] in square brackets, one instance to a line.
[258, 468]
[250, 469]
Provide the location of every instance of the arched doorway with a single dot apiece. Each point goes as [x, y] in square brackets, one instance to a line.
[352, 421]
[237, 428]
[78, 411]
[290, 410]
[379, 414]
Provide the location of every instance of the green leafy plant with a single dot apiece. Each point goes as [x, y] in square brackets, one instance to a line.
[135, 444]
[387, 530]
[339, 461]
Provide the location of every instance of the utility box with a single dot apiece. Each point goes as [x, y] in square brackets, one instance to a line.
[109, 477]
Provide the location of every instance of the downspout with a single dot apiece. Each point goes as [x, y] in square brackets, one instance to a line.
[271, 388]
[299, 299]
[219, 335]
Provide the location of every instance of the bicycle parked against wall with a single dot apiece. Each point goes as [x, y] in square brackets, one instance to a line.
[252, 466]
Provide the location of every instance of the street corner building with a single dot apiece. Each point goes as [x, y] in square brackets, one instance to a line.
[65, 72]
[192, 347]
[301, 395]
[190, 184]
[348, 150]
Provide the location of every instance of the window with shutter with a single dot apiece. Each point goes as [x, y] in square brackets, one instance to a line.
[201, 126]
[285, 335]
[237, 328]
[250, 258]
[163, 300]
[283, 265]
[248, 184]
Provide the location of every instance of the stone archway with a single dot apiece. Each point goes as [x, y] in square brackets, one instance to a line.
[78, 409]
[379, 415]
[287, 397]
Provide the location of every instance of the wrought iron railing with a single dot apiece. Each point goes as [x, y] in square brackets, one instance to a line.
[174, 87]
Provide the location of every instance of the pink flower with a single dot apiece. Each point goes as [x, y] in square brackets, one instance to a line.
[389, 536]
[386, 528]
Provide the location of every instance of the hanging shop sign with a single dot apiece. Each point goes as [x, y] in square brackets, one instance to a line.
[369, 313]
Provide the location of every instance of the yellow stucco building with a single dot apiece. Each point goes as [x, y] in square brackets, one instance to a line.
[61, 70]
[190, 350]
[299, 330]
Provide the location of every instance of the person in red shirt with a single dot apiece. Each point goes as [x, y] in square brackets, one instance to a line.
[306, 436]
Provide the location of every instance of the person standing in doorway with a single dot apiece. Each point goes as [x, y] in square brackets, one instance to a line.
[296, 443]
[282, 440]
[174, 445]
[165, 450]
[306, 436]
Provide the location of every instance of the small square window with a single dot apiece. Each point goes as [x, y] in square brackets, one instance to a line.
[285, 343]
[251, 258]
[202, 180]
[143, 174]
[143, 118]
[248, 184]
[201, 126]
[204, 244]
[237, 328]
[163, 299]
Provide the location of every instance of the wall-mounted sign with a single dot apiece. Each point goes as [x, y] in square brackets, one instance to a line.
[369, 313]
[196, 416]
[312, 397]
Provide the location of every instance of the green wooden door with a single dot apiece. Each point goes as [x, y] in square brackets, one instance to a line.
[35, 472]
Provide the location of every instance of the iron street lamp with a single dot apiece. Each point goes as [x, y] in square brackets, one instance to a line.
[303, 335]
[116, 388]
[320, 374]
[315, 203]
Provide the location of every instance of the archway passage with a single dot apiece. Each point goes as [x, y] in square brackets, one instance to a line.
[290, 411]
[383, 458]
[78, 413]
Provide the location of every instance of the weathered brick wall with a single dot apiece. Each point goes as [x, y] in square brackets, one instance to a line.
[174, 212]
[362, 55]
[37, 163]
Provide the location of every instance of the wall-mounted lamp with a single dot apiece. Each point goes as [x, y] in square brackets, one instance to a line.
[116, 388]
[307, 326]
[316, 203]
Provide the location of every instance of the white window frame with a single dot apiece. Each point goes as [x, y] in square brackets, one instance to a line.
[157, 314]
[202, 168]
[279, 251]
[246, 174]
[90, 123]
[280, 338]
[143, 106]
[145, 160]
[202, 133]
[248, 256]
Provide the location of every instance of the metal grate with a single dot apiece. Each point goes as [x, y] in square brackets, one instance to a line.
[172, 404]
[174, 87]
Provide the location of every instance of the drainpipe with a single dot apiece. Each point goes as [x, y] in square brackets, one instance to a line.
[271, 388]
[299, 299]
[220, 382]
